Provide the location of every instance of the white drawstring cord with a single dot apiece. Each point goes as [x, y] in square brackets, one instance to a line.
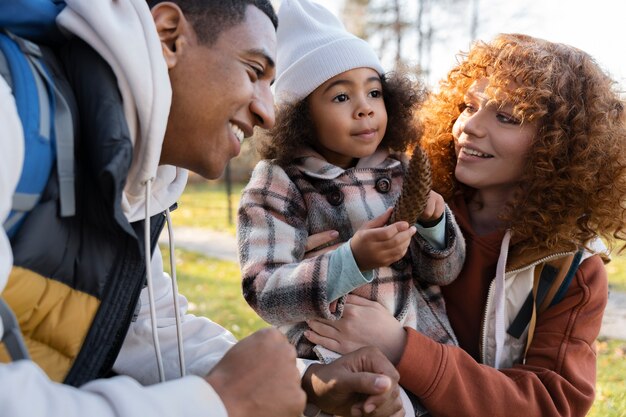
[179, 330]
[153, 318]
[500, 298]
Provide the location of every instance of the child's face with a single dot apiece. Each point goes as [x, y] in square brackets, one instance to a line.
[349, 116]
[491, 144]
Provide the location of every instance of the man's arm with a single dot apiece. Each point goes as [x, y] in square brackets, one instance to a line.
[26, 391]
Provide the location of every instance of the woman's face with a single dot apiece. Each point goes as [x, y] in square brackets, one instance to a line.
[491, 144]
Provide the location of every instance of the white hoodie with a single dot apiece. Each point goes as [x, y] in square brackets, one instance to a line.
[123, 32]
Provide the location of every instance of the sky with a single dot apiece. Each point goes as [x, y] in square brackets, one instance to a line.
[596, 27]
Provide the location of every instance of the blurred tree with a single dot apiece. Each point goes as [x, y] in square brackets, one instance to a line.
[387, 24]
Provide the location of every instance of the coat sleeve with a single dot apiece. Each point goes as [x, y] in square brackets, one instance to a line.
[557, 379]
[26, 391]
[278, 283]
[439, 266]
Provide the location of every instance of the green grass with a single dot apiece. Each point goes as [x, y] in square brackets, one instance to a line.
[611, 382]
[213, 289]
[205, 204]
[617, 273]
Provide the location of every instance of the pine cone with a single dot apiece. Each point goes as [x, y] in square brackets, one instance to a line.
[416, 186]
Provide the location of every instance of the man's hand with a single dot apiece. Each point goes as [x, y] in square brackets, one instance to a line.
[375, 245]
[258, 377]
[360, 383]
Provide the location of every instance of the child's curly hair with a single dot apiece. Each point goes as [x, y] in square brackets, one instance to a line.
[294, 127]
[574, 183]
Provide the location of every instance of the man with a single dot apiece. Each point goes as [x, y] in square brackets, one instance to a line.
[135, 136]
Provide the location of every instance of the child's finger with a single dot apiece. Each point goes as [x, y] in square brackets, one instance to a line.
[379, 221]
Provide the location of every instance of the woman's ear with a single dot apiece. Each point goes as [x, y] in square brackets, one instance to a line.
[173, 30]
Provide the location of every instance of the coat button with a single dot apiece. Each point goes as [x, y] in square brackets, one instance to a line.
[335, 197]
[383, 185]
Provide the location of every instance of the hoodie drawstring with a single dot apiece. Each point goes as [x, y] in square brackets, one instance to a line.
[179, 330]
[147, 253]
[500, 298]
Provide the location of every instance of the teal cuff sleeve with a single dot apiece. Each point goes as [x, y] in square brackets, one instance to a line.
[343, 273]
[434, 235]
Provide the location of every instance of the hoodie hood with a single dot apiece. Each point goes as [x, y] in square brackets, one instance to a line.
[124, 34]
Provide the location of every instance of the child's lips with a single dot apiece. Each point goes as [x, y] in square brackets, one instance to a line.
[365, 133]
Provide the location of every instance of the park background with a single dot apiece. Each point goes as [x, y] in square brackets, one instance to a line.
[422, 36]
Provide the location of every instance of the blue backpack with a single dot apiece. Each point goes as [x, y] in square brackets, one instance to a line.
[26, 26]
[47, 121]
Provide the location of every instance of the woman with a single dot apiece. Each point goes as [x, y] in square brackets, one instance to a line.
[528, 146]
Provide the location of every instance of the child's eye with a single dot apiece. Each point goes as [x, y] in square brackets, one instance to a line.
[340, 98]
[376, 94]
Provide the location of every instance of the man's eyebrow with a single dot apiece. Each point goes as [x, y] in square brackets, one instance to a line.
[342, 81]
[261, 53]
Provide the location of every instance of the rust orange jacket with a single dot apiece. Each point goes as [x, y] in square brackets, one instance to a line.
[558, 376]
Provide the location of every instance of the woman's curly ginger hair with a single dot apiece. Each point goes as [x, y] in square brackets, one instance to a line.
[294, 128]
[574, 183]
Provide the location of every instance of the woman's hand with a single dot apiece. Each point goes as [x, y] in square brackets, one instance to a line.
[364, 323]
[313, 242]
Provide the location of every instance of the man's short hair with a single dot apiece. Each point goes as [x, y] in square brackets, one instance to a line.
[211, 17]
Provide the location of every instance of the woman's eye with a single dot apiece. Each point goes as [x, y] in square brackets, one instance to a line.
[467, 108]
[507, 118]
[340, 98]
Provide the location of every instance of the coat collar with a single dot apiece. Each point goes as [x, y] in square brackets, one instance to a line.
[314, 165]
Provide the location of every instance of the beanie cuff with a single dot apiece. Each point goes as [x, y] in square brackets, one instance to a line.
[321, 64]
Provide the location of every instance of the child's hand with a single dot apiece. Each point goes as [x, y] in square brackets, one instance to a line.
[434, 208]
[375, 245]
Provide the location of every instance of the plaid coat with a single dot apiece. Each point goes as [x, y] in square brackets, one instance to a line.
[280, 208]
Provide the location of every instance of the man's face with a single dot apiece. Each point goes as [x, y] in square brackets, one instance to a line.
[219, 93]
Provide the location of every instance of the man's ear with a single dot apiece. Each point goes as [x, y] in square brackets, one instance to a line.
[173, 30]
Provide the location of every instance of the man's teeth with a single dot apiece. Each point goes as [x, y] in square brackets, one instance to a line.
[475, 153]
[237, 131]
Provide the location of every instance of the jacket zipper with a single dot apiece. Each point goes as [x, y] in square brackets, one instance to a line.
[483, 335]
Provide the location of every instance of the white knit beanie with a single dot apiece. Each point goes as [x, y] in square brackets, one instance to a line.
[314, 46]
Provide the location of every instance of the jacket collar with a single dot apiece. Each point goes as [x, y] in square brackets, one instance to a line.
[311, 163]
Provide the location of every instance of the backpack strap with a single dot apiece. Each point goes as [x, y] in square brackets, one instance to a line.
[48, 128]
[550, 284]
[33, 19]
[12, 336]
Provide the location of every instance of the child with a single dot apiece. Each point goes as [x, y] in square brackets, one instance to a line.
[527, 140]
[329, 166]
